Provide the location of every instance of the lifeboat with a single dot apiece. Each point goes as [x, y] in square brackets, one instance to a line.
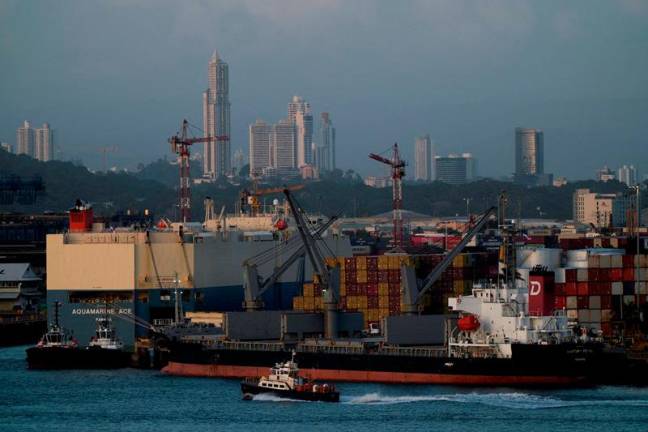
[468, 323]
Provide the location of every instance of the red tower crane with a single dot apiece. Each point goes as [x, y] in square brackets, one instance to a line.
[397, 173]
[180, 146]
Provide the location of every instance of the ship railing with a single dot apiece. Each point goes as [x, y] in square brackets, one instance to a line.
[244, 346]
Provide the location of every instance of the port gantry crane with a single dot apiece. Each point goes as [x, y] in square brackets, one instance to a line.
[397, 173]
[180, 146]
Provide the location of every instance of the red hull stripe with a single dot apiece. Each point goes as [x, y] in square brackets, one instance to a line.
[231, 371]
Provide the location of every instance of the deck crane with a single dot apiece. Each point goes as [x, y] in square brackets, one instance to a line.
[180, 146]
[329, 277]
[254, 286]
[397, 173]
[413, 290]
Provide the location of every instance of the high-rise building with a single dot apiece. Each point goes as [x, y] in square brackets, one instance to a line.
[423, 159]
[455, 168]
[259, 139]
[25, 140]
[605, 174]
[593, 208]
[324, 151]
[216, 119]
[299, 113]
[44, 148]
[628, 175]
[283, 148]
[6, 147]
[529, 157]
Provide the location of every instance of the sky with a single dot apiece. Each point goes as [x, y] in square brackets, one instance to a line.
[125, 73]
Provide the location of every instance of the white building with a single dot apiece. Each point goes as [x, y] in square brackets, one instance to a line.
[25, 140]
[628, 175]
[423, 159]
[283, 146]
[259, 141]
[6, 147]
[299, 113]
[593, 208]
[216, 120]
[605, 174]
[44, 148]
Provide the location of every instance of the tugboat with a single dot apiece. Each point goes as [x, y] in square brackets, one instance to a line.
[284, 381]
[58, 351]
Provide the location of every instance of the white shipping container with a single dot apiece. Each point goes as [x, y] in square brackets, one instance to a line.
[560, 275]
[606, 315]
[581, 275]
[606, 261]
[572, 314]
[595, 302]
[595, 316]
[617, 261]
[642, 288]
[571, 302]
[643, 274]
[583, 315]
[617, 288]
[593, 261]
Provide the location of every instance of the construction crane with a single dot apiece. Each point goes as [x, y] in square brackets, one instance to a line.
[414, 289]
[397, 173]
[180, 146]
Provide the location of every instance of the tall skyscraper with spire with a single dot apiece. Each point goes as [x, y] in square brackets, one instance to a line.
[216, 119]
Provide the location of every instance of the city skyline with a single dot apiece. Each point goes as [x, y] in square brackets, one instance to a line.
[374, 102]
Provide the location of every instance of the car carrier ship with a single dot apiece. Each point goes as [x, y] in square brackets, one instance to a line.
[141, 272]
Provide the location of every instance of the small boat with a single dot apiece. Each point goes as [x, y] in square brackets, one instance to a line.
[284, 381]
[58, 351]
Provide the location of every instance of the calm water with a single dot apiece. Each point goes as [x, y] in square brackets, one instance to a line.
[134, 400]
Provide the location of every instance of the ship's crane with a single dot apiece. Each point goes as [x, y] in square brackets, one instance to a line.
[180, 146]
[328, 277]
[255, 286]
[252, 200]
[397, 173]
[414, 290]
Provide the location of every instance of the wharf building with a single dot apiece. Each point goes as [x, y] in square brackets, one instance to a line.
[529, 158]
[424, 159]
[216, 120]
[455, 168]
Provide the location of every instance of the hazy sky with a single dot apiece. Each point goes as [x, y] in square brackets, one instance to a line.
[127, 72]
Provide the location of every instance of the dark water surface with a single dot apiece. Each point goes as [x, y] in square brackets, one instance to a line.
[135, 400]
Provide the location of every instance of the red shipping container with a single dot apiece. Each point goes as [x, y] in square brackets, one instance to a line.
[570, 275]
[593, 274]
[559, 289]
[571, 288]
[582, 302]
[628, 261]
[628, 274]
[605, 288]
[560, 302]
[583, 288]
[616, 275]
[641, 300]
[606, 302]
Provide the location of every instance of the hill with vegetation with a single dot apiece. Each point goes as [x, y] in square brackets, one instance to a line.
[153, 187]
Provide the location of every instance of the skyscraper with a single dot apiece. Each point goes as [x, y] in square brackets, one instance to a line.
[282, 143]
[324, 151]
[259, 139]
[455, 168]
[25, 140]
[529, 151]
[628, 175]
[216, 119]
[299, 114]
[423, 159]
[44, 148]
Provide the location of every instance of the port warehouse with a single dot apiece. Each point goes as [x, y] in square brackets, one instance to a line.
[139, 273]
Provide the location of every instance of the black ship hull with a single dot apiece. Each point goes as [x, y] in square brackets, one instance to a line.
[529, 365]
[249, 390]
[76, 358]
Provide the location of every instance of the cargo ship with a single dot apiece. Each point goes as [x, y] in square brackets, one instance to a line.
[495, 342]
[140, 272]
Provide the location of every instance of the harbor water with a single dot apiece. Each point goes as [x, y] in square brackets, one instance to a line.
[139, 400]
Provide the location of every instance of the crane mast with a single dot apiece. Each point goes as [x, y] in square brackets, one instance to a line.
[180, 146]
[397, 173]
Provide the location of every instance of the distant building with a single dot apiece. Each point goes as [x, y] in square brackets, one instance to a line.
[324, 150]
[455, 169]
[44, 147]
[25, 140]
[377, 182]
[605, 174]
[560, 182]
[283, 147]
[6, 147]
[624, 208]
[259, 147]
[216, 120]
[628, 175]
[308, 172]
[424, 159]
[529, 158]
[593, 208]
